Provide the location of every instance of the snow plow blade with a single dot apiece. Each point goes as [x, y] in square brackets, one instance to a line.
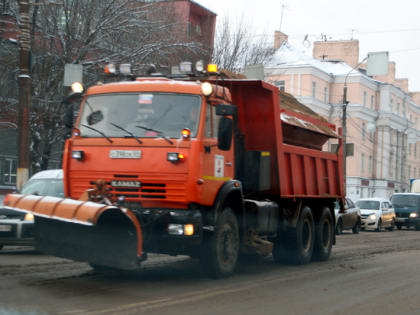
[83, 230]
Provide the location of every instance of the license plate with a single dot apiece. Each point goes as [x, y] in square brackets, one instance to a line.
[125, 183]
[5, 228]
[400, 219]
[125, 154]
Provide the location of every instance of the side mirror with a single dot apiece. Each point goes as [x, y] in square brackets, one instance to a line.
[224, 135]
[225, 110]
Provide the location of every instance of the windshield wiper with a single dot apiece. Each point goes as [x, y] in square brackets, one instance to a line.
[129, 132]
[98, 131]
[160, 133]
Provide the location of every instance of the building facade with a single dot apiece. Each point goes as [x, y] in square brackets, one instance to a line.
[382, 116]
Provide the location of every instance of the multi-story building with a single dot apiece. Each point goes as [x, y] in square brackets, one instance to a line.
[382, 116]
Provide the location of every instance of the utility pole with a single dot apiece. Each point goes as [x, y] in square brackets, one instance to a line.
[25, 85]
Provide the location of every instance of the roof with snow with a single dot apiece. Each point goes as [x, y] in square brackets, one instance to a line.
[290, 56]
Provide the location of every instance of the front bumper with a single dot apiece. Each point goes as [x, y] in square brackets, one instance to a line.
[16, 232]
[407, 221]
[369, 224]
[156, 238]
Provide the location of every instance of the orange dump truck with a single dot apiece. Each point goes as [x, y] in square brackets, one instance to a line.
[208, 167]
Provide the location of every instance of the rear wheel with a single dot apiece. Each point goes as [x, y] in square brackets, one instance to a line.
[220, 251]
[339, 227]
[356, 228]
[324, 233]
[296, 245]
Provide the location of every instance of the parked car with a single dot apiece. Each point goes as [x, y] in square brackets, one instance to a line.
[377, 213]
[407, 209]
[16, 228]
[349, 220]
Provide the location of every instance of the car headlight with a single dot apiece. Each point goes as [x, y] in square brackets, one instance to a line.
[414, 215]
[29, 217]
[372, 217]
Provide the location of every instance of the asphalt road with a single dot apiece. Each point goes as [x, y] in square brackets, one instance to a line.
[369, 273]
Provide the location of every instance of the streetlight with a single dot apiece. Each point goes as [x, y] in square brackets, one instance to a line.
[377, 64]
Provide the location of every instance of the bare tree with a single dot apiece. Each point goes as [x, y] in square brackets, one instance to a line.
[91, 33]
[237, 46]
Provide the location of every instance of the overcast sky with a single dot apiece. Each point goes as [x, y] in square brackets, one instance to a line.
[379, 25]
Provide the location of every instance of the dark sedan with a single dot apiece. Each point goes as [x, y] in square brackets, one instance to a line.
[350, 219]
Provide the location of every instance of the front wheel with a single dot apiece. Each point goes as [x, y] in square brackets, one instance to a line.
[399, 226]
[339, 227]
[379, 227]
[220, 251]
[391, 228]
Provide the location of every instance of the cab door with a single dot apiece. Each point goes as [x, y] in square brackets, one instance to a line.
[218, 165]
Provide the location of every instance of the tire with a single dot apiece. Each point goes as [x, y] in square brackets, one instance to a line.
[221, 250]
[1, 246]
[379, 228]
[297, 244]
[324, 235]
[399, 226]
[392, 227]
[339, 227]
[356, 228]
[417, 226]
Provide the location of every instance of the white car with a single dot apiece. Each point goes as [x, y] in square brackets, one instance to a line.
[17, 228]
[377, 213]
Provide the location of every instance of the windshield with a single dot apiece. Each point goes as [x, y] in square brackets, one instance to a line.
[401, 201]
[44, 187]
[368, 204]
[140, 115]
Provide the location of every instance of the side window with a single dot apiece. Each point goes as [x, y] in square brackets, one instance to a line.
[212, 121]
[350, 203]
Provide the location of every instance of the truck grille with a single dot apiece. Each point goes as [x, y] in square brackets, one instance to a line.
[402, 214]
[170, 187]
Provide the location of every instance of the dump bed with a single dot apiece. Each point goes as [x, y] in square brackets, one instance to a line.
[276, 122]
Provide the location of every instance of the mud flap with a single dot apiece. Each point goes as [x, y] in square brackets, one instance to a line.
[84, 231]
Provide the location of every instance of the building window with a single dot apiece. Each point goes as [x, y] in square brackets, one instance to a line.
[409, 170]
[313, 89]
[409, 149]
[415, 123]
[398, 108]
[370, 164]
[362, 164]
[415, 149]
[325, 95]
[9, 171]
[364, 98]
[372, 100]
[280, 84]
[414, 172]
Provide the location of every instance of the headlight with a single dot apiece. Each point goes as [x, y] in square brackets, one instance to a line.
[414, 215]
[29, 217]
[372, 217]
